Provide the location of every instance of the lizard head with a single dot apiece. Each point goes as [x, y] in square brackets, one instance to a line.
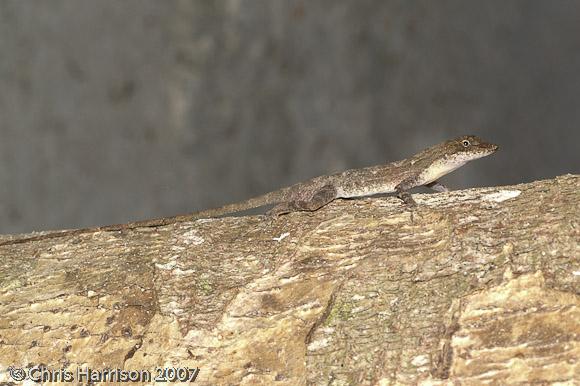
[469, 147]
[450, 155]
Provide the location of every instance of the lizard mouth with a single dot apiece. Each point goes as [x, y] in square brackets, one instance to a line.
[483, 150]
[488, 148]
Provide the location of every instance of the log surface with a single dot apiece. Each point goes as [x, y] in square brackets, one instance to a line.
[473, 286]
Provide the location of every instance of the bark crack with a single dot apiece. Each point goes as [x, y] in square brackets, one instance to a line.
[327, 310]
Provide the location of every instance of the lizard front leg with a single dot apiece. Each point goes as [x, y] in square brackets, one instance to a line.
[320, 198]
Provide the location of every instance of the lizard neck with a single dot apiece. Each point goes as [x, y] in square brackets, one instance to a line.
[442, 166]
[437, 170]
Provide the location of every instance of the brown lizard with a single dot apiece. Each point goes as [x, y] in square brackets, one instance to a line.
[422, 169]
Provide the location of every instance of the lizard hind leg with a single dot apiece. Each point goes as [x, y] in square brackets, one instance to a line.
[320, 198]
[402, 191]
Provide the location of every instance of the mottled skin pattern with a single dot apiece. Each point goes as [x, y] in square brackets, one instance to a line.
[423, 169]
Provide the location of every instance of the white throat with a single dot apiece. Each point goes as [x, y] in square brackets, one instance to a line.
[442, 167]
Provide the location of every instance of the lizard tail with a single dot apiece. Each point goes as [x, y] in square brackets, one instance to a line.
[256, 202]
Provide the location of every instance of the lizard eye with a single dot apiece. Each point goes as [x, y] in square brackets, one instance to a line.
[465, 143]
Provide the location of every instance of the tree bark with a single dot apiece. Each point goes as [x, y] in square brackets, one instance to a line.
[473, 286]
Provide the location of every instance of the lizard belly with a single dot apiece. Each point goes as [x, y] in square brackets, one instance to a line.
[361, 191]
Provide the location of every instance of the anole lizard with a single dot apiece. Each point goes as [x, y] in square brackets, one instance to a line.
[422, 169]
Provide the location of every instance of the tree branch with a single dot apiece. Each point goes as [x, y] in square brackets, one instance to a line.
[472, 286]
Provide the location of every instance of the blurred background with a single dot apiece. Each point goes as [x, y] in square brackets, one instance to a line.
[116, 111]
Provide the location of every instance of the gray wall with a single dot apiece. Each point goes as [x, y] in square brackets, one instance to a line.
[114, 111]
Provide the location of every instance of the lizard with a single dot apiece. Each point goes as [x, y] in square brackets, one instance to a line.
[422, 169]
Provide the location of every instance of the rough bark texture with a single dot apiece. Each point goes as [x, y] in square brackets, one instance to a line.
[473, 286]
